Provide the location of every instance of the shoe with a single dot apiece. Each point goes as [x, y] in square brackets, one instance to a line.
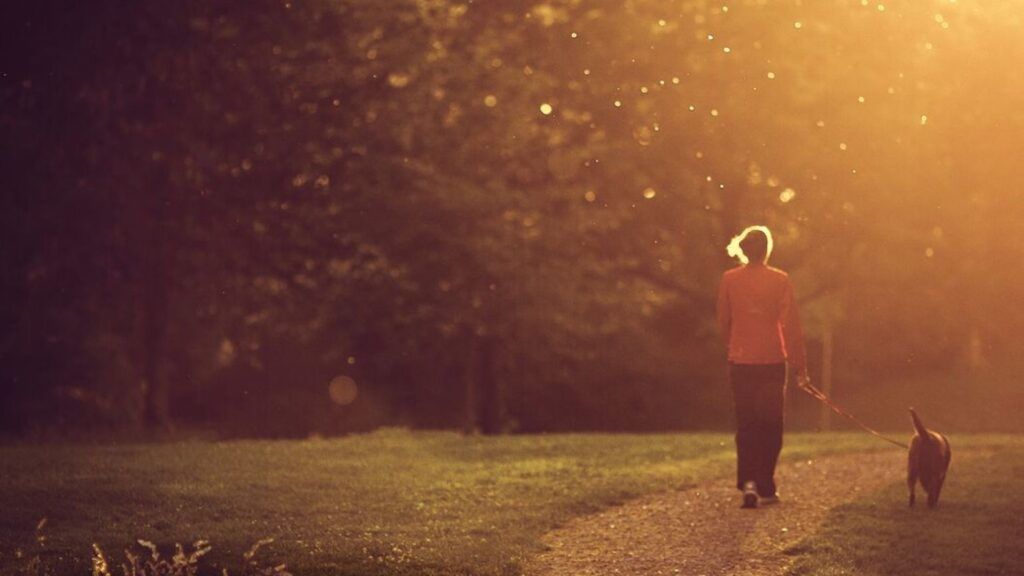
[749, 495]
[773, 499]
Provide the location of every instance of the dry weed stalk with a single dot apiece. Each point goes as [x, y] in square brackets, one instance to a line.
[181, 563]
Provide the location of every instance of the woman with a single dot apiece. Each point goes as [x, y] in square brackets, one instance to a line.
[758, 318]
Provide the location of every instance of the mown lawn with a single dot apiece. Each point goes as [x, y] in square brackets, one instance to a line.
[977, 529]
[391, 502]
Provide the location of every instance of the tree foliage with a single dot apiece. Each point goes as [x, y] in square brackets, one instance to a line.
[501, 215]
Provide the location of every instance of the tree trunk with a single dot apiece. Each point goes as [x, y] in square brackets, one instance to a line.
[825, 417]
[155, 264]
[471, 423]
[492, 401]
[156, 416]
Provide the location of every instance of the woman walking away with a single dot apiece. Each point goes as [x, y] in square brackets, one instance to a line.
[758, 318]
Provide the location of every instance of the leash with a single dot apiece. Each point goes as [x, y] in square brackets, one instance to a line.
[806, 386]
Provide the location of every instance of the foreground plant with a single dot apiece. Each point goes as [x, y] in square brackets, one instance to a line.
[181, 563]
[33, 564]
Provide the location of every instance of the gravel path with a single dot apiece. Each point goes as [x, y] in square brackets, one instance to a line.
[702, 531]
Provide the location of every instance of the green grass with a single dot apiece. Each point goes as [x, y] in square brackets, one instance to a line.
[392, 502]
[977, 529]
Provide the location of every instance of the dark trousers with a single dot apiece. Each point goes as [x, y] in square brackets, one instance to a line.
[758, 391]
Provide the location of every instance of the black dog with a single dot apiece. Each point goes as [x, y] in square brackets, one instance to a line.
[928, 461]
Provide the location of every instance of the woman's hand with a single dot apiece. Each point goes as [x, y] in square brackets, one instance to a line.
[801, 377]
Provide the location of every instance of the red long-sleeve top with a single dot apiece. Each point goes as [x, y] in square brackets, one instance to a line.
[758, 317]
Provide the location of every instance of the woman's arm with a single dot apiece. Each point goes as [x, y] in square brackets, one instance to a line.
[793, 334]
[724, 312]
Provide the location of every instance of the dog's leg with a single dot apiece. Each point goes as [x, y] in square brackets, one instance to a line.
[912, 479]
[933, 497]
[936, 485]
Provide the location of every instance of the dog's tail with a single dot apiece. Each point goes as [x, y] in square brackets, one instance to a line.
[921, 430]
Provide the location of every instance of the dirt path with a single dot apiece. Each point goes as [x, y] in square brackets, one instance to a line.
[702, 531]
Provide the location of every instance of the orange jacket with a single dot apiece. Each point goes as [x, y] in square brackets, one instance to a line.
[758, 317]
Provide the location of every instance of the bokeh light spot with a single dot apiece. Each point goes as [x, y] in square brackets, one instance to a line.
[643, 135]
[546, 109]
[398, 80]
[343, 390]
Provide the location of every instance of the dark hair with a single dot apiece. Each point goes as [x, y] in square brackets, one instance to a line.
[755, 245]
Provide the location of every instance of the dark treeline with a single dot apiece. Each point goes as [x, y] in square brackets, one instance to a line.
[501, 215]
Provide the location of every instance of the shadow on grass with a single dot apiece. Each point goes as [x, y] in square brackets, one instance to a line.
[978, 527]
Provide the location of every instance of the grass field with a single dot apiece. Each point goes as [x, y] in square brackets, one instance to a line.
[977, 529]
[391, 502]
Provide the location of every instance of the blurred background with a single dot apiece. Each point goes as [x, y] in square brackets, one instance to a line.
[313, 217]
